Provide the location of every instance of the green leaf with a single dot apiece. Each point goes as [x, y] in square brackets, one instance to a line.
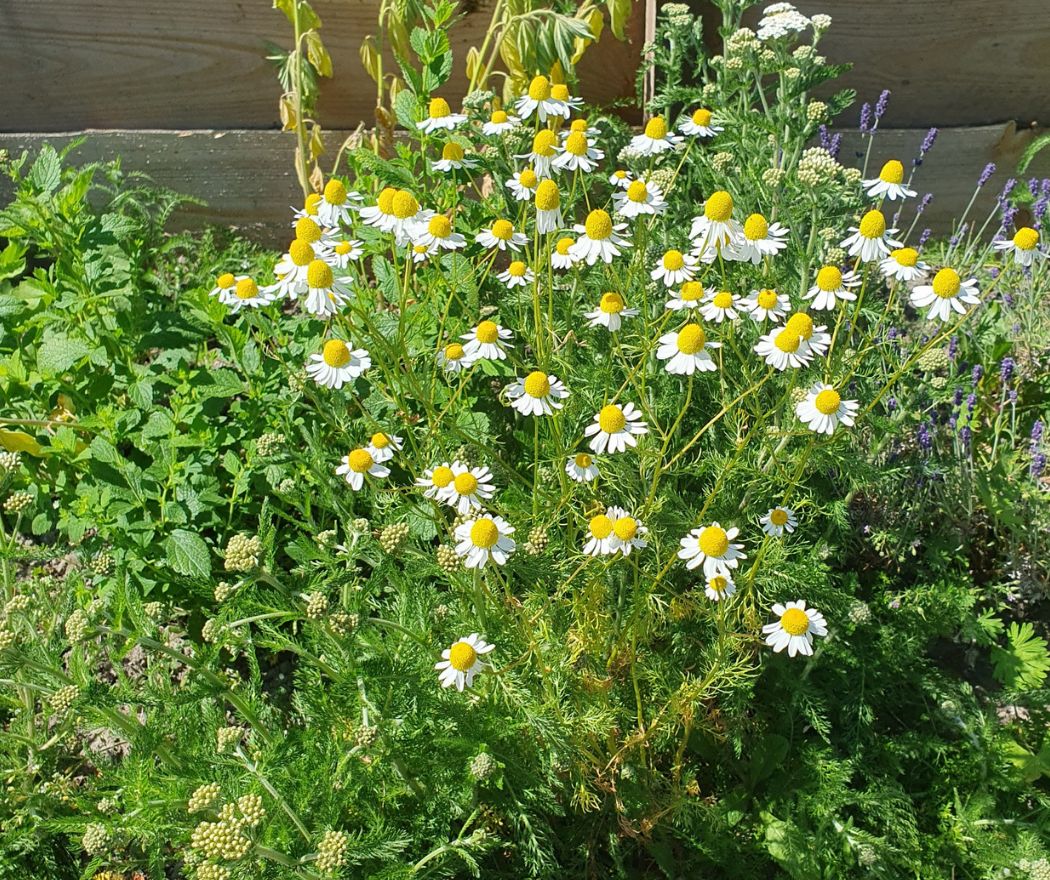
[57, 353]
[1036, 146]
[405, 109]
[619, 12]
[188, 554]
[46, 173]
[1024, 663]
[20, 441]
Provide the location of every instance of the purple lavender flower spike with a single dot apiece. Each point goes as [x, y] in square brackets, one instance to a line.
[989, 170]
[835, 146]
[865, 118]
[925, 203]
[953, 347]
[881, 104]
[1006, 369]
[978, 372]
[925, 237]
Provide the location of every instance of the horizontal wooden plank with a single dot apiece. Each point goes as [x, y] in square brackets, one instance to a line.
[76, 64]
[247, 180]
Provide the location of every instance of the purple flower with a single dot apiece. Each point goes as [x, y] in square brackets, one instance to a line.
[836, 146]
[1006, 369]
[925, 203]
[1008, 188]
[1008, 219]
[955, 239]
[925, 237]
[989, 170]
[881, 104]
[1039, 209]
[891, 404]
[977, 372]
[1038, 464]
[953, 347]
[1033, 187]
[971, 403]
[1037, 431]
[927, 145]
[865, 119]
[957, 399]
[825, 136]
[1012, 395]
[924, 439]
[891, 333]
[1008, 300]
[966, 435]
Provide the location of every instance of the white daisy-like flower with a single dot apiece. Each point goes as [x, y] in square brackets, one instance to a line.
[544, 150]
[582, 126]
[823, 408]
[523, 184]
[342, 252]
[715, 228]
[309, 230]
[779, 520]
[538, 100]
[713, 547]
[486, 341]
[453, 358]
[469, 487]
[689, 297]
[871, 240]
[700, 124]
[517, 274]
[581, 468]
[599, 536]
[816, 338]
[225, 283]
[437, 234]
[335, 205]
[719, 587]
[460, 663]
[621, 178]
[598, 238]
[501, 235]
[561, 256]
[628, 533]
[1024, 246]
[765, 304]
[408, 217]
[325, 294]
[499, 122]
[674, 268]
[247, 294]
[560, 93]
[615, 428]
[758, 239]
[309, 208]
[577, 154]
[440, 117]
[290, 271]
[336, 365]
[782, 347]
[795, 628]
[436, 482]
[656, 138]
[381, 214]
[483, 538]
[383, 446]
[889, 183]
[611, 311]
[637, 198]
[945, 294]
[358, 463]
[548, 207]
[831, 286]
[685, 351]
[903, 264]
[538, 394]
[420, 253]
[719, 305]
[453, 158]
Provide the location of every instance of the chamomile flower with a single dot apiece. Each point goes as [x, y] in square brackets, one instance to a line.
[560, 93]
[674, 268]
[700, 124]
[453, 358]
[582, 126]
[779, 520]
[795, 628]
[436, 482]
[719, 305]
[408, 216]
[357, 464]
[325, 294]
[499, 122]
[381, 214]
[309, 208]
[758, 239]
[246, 294]
[599, 536]
[343, 251]
[782, 348]
[1024, 246]
[483, 538]
[292, 268]
[615, 428]
[621, 178]
[577, 154]
[307, 229]
[544, 144]
[637, 198]
[903, 264]
[947, 292]
[453, 158]
[598, 238]
[823, 408]
[383, 446]
[817, 338]
[561, 256]
[871, 240]
[523, 184]
[460, 663]
[517, 274]
[766, 303]
[469, 487]
[538, 100]
[628, 533]
[501, 235]
[334, 206]
[715, 228]
[548, 207]
[440, 117]
[486, 341]
[437, 234]
[337, 365]
[889, 183]
[655, 139]
[538, 394]
[421, 253]
[689, 297]
[719, 587]
[685, 351]
[612, 309]
[831, 286]
[224, 285]
[713, 547]
[581, 468]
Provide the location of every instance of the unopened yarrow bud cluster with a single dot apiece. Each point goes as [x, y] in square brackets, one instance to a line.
[243, 552]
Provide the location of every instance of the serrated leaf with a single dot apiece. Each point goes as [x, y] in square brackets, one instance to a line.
[188, 554]
[46, 173]
[57, 353]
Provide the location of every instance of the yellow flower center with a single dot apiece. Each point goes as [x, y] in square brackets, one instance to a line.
[462, 656]
[307, 230]
[625, 528]
[583, 460]
[691, 291]
[516, 269]
[1026, 238]
[498, 117]
[503, 230]
[484, 533]
[619, 174]
[540, 88]
[787, 341]
[537, 384]
[527, 178]
[718, 583]
[404, 205]
[380, 440]
[800, 323]
[442, 476]
[576, 143]
[827, 401]
[225, 281]
[946, 283]
[829, 278]
[795, 622]
[656, 128]
[439, 108]
[311, 203]
[452, 151]
[543, 143]
[719, 206]
[547, 196]
[906, 256]
[598, 225]
[419, 248]
[673, 261]
[638, 191]
[439, 226]
[766, 298]
[301, 252]
[487, 332]
[563, 245]
[722, 300]
[336, 353]
[246, 289]
[343, 248]
[756, 228]
[892, 172]
[560, 92]
[713, 541]
[578, 125]
[611, 419]
[702, 117]
[778, 516]
[612, 303]
[466, 484]
[600, 526]
[335, 192]
[691, 339]
[873, 225]
[453, 351]
[385, 200]
[360, 461]
[319, 275]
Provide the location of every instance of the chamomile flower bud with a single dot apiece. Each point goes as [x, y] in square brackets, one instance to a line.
[243, 552]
